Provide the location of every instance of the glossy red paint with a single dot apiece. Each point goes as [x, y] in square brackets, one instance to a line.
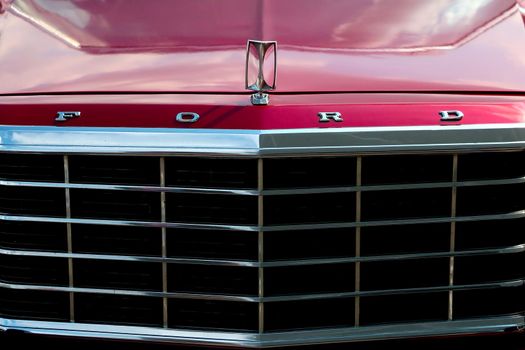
[199, 46]
[521, 6]
[235, 111]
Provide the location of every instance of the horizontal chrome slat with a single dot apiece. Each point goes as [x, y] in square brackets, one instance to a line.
[359, 140]
[272, 228]
[518, 180]
[269, 192]
[412, 186]
[319, 296]
[199, 296]
[128, 223]
[491, 325]
[265, 299]
[187, 261]
[129, 188]
[281, 263]
[508, 250]
[507, 216]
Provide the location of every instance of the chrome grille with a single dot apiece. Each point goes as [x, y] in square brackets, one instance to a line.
[249, 244]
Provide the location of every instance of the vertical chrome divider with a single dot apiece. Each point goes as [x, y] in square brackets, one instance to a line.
[69, 241]
[357, 299]
[164, 248]
[260, 241]
[452, 236]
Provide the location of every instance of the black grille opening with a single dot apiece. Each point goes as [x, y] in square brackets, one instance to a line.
[33, 236]
[31, 167]
[330, 278]
[32, 201]
[309, 208]
[284, 245]
[217, 209]
[489, 268]
[413, 273]
[213, 279]
[486, 200]
[403, 169]
[309, 244]
[114, 170]
[405, 239]
[212, 244]
[211, 173]
[210, 314]
[490, 234]
[295, 315]
[34, 305]
[115, 205]
[406, 204]
[309, 172]
[489, 302]
[33, 270]
[491, 166]
[118, 309]
[128, 275]
[404, 308]
[118, 240]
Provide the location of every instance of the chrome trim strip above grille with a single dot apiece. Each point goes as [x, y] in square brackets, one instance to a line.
[250, 340]
[255, 142]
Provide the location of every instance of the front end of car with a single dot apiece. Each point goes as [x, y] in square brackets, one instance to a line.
[369, 186]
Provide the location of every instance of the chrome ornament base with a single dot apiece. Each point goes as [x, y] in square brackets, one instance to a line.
[260, 99]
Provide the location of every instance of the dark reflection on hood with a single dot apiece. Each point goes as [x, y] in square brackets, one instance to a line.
[371, 25]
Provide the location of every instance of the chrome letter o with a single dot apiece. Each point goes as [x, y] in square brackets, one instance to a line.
[187, 117]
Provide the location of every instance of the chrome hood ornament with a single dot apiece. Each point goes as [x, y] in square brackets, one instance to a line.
[261, 69]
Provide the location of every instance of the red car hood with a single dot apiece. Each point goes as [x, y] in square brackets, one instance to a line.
[49, 46]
